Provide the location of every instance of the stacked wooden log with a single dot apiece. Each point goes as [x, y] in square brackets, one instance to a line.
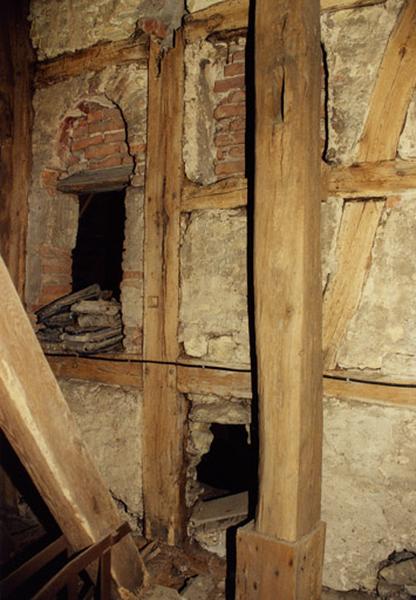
[84, 322]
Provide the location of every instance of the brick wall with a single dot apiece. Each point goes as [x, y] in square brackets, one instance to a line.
[94, 140]
[230, 113]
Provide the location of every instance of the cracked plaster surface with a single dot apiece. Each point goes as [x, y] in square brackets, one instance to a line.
[369, 489]
[381, 335]
[109, 418]
[354, 41]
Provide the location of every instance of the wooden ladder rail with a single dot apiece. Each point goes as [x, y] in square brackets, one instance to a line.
[68, 576]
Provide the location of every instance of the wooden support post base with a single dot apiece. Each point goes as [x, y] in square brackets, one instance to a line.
[271, 569]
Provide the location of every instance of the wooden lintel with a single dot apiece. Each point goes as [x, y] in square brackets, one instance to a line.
[110, 371]
[392, 92]
[230, 15]
[270, 569]
[102, 180]
[94, 58]
[41, 428]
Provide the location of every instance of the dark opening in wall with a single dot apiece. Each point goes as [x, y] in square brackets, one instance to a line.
[97, 257]
[230, 465]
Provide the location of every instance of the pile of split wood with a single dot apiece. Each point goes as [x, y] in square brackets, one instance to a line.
[84, 322]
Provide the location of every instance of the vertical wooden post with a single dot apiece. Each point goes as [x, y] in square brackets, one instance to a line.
[16, 74]
[164, 409]
[281, 556]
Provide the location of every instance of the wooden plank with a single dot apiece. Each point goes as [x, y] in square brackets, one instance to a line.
[393, 91]
[373, 393]
[102, 180]
[220, 509]
[39, 425]
[162, 203]
[354, 246]
[193, 380]
[287, 266]
[92, 369]
[94, 58]
[372, 179]
[270, 569]
[16, 67]
[164, 414]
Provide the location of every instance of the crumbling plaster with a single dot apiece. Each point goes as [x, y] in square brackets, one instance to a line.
[369, 488]
[354, 43]
[204, 63]
[62, 26]
[381, 335]
[110, 418]
[213, 309]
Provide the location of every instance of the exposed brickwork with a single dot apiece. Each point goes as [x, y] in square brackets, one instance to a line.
[230, 113]
[56, 276]
[94, 140]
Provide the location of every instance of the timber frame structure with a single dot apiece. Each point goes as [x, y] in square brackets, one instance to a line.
[294, 533]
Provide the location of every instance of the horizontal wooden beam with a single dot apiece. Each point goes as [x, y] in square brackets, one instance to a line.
[94, 58]
[373, 393]
[232, 15]
[372, 179]
[193, 380]
[92, 369]
[214, 381]
[362, 180]
[227, 193]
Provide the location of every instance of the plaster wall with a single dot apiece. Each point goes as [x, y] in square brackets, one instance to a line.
[109, 418]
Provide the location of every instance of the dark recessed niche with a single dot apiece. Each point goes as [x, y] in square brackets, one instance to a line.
[230, 465]
[97, 257]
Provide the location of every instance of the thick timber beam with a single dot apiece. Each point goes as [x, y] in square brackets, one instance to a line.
[280, 556]
[39, 425]
[16, 75]
[163, 408]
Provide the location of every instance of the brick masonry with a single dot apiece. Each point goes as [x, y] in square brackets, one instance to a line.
[94, 140]
[230, 113]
